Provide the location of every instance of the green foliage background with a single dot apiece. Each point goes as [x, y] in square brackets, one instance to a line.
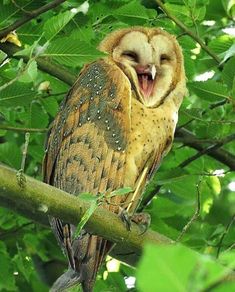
[30, 259]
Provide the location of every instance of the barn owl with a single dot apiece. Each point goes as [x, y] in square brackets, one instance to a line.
[112, 130]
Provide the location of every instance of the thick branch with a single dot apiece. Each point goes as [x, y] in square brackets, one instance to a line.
[189, 32]
[30, 15]
[37, 200]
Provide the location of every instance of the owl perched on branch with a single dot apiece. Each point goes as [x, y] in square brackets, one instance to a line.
[113, 128]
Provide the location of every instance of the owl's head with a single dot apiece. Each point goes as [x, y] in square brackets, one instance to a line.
[152, 60]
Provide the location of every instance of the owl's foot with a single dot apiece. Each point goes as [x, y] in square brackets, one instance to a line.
[143, 220]
[21, 179]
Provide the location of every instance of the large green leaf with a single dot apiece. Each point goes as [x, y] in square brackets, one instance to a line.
[209, 90]
[71, 52]
[228, 74]
[133, 13]
[166, 266]
[55, 24]
[16, 94]
[38, 117]
[7, 280]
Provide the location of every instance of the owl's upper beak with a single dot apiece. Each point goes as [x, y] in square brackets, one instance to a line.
[146, 77]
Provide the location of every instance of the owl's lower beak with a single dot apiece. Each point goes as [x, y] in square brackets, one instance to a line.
[146, 77]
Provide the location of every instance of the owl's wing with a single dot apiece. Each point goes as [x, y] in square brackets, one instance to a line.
[85, 152]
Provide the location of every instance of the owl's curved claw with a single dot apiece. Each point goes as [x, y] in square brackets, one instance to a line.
[143, 220]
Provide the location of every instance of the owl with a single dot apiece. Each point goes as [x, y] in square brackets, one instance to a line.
[113, 128]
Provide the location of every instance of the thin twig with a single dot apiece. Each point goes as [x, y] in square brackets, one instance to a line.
[224, 234]
[16, 129]
[21, 8]
[14, 231]
[207, 150]
[30, 15]
[211, 107]
[195, 215]
[25, 149]
[189, 32]
[230, 277]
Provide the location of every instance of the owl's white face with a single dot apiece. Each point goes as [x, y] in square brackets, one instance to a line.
[150, 63]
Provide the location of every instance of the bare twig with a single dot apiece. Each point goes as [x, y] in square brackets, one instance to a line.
[195, 215]
[221, 155]
[189, 32]
[16, 129]
[224, 234]
[30, 15]
[25, 149]
[230, 277]
[12, 232]
[222, 142]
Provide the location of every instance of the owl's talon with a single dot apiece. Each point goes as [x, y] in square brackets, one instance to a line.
[143, 220]
[21, 179]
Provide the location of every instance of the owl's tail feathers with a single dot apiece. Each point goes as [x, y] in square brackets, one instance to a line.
[65, 281]
[70, 279]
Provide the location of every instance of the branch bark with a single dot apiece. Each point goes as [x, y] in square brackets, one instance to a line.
[37, 200]
[29, 16]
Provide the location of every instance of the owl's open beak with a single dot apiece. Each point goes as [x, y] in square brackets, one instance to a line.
[146, 77]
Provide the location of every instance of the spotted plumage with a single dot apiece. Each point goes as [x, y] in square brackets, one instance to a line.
[112, 130]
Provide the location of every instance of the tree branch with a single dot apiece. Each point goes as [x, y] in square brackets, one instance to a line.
[29, 16]
[223, 156]
[187, 31]
[37, 200]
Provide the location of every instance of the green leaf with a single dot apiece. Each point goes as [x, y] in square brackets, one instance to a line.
[221, 44]
[50, 104]
[86, 217]
[132, 13]
[171, 275]
[17, 94]
[228, 74]
[38, 117]
[170, 175]
[10, 154]
[209, 90]
[87, 197]
[121, 192]
[7, 280]
[55, 24]
[229, 53]
[72, 52]
[30, 74]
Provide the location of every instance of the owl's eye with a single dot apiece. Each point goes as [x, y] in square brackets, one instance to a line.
[164, 58]
[130, 55]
